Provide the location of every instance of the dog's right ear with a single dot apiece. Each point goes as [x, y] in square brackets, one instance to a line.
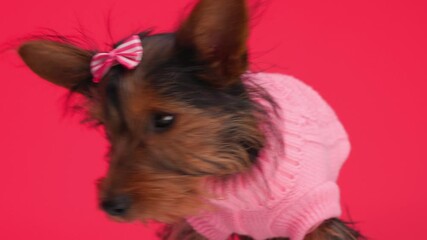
[60, 63]
[216, 32]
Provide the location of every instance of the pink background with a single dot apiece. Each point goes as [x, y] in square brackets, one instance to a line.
[368, 58]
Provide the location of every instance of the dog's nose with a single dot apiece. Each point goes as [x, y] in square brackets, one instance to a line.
[117, 205]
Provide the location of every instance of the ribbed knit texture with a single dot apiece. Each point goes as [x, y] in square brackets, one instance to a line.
[292, 189]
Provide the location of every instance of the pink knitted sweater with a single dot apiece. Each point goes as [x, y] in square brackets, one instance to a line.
[291, 190]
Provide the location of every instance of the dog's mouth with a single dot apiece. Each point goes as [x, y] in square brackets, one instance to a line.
[143, 219]
[121, 219]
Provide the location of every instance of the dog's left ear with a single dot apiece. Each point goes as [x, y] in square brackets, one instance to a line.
[62, 64]
[216, 32]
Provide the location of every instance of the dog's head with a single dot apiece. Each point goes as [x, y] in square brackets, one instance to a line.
[182, 116]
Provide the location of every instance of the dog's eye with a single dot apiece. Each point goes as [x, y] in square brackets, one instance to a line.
[163, 121]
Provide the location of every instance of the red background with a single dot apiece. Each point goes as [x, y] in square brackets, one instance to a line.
[368, 58]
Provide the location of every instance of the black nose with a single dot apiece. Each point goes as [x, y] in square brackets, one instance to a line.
[116, 206]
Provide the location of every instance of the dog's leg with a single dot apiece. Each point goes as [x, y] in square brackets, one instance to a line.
[181, 230]
[334, 229]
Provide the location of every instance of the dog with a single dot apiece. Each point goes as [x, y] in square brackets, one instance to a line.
[198, 141]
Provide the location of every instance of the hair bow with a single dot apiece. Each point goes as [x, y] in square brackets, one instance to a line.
[129, 54]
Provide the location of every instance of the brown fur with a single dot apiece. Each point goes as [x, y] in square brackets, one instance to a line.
[192, 75]
[170, 186]
[334, 229]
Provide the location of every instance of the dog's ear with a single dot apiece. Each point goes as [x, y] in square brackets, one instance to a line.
[216, 32]
[60, 63]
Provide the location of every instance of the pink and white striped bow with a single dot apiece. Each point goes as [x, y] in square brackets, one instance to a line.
[128, 54]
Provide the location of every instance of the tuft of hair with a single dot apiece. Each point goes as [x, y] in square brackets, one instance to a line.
[335, 229]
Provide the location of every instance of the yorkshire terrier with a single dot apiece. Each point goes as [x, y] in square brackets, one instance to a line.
[198, 141]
